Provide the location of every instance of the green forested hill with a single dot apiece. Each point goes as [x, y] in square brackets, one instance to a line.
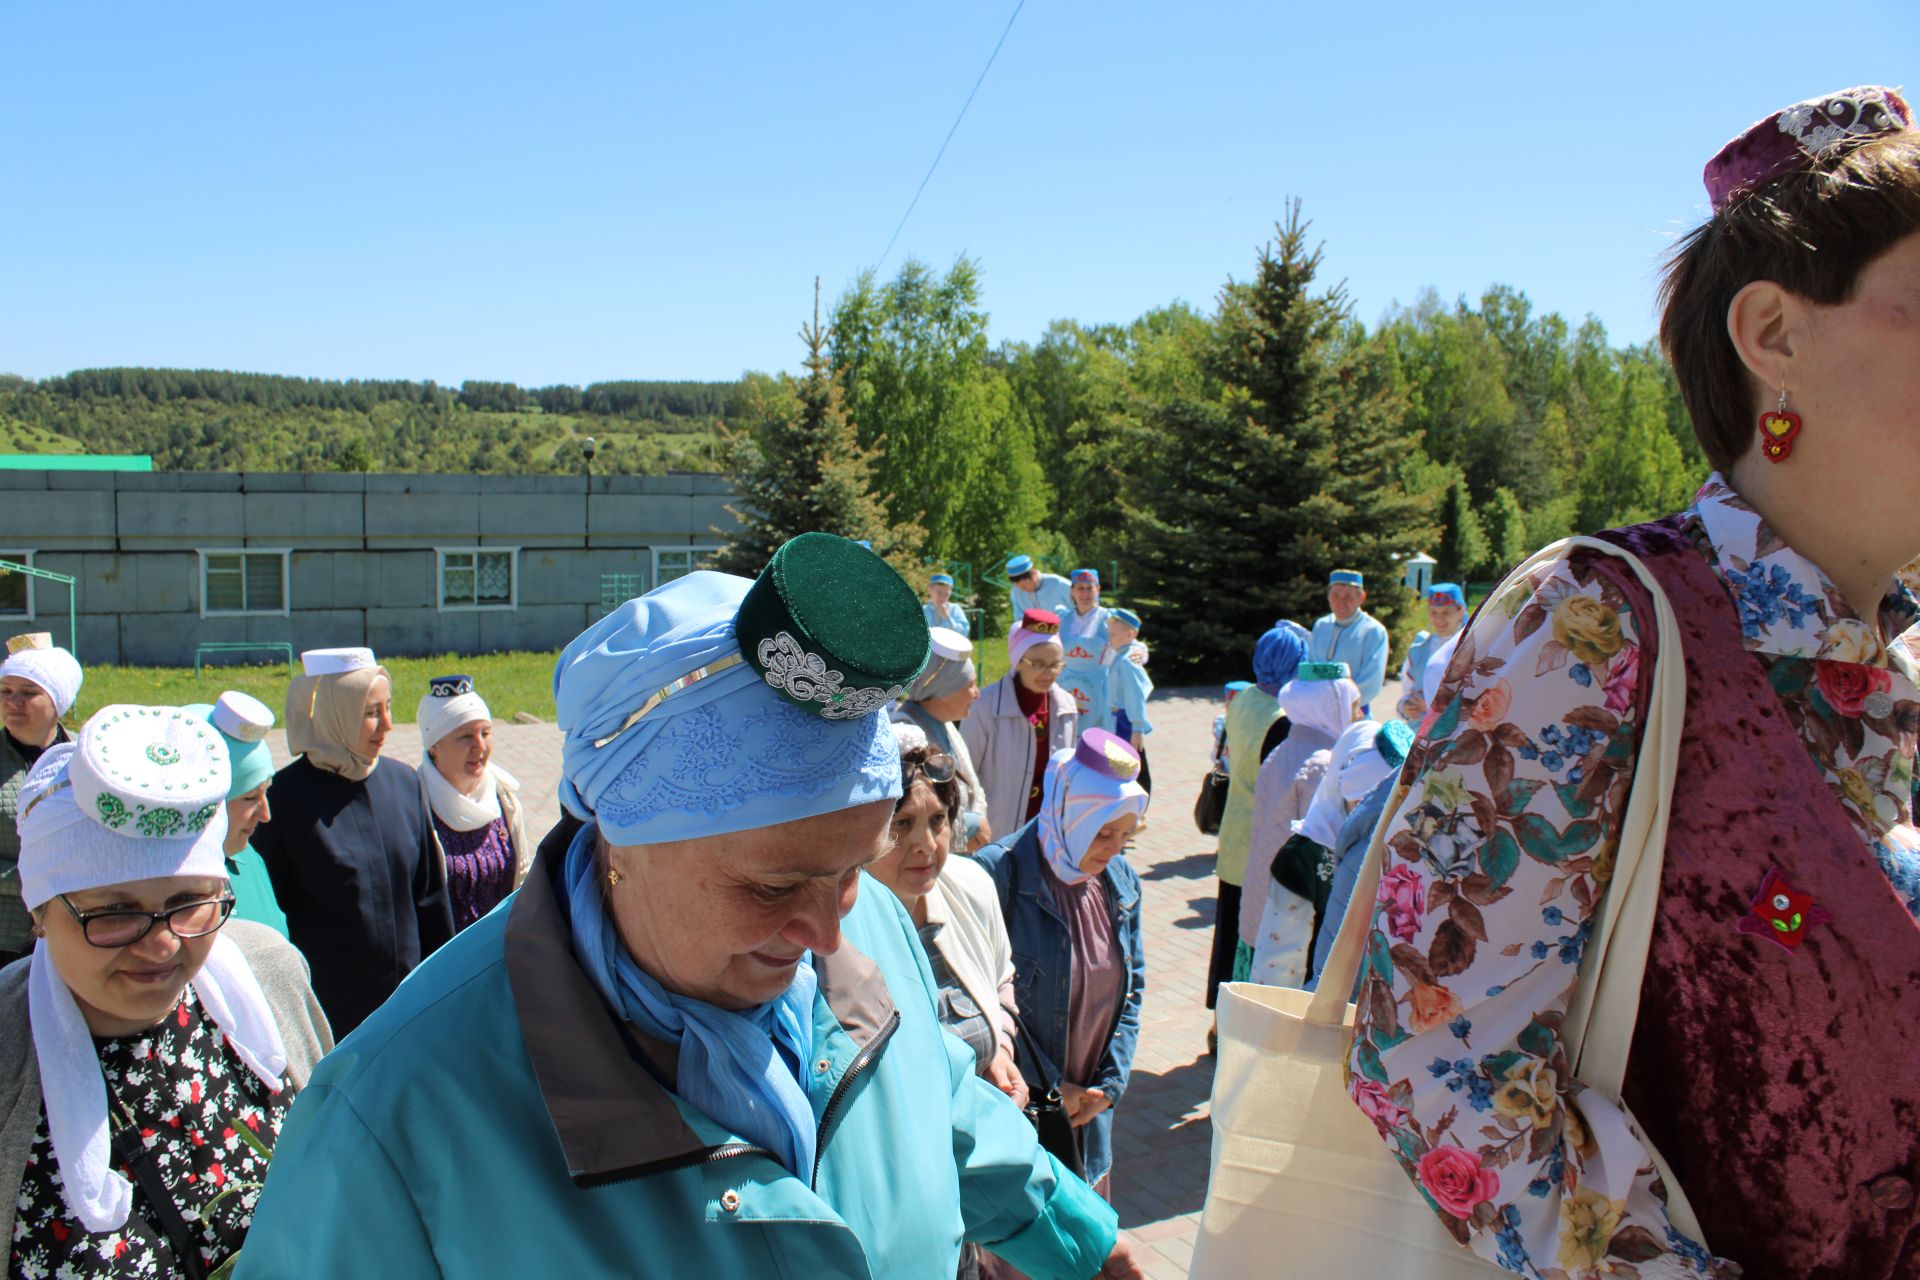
[201, 420]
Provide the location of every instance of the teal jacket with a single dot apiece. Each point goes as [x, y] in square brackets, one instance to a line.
[494, 1119]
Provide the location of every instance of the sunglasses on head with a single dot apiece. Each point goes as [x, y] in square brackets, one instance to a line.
[937, 767]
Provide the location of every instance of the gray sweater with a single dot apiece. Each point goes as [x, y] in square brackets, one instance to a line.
[282, 975]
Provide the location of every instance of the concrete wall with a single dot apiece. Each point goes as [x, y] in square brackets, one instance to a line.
[362, 567]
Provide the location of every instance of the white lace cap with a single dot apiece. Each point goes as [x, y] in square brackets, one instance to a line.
[154, 773]
[949, 644]
[327, 662]
[242, 716]
[80, 831]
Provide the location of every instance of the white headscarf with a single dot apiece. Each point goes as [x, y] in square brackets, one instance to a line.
[1329, 809]
[53, 669]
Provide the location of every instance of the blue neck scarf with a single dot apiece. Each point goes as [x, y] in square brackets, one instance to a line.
[742, 1068]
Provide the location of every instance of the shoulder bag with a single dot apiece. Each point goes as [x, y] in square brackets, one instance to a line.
[1301, 1183]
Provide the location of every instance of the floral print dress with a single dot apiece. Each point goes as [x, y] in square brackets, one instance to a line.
[189, 1093]
[1503, 848]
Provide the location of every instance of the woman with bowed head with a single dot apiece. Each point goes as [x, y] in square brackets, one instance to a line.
[1072, 905]
[1773, 1065]
[243, 722]
[350, 845]
[1021, 719]
[937, 701]
[1254, 728]
[38, 683]
[1320, 703]
[697, 1042]
[140, 1037]
[475, 803]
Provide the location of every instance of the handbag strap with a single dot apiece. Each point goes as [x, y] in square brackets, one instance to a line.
[132, 1152]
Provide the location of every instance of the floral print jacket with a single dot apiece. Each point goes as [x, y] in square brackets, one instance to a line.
[1502, 850]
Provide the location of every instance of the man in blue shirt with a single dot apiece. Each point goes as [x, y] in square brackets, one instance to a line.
[940, 609]
[1033, 589]
[1351, 635]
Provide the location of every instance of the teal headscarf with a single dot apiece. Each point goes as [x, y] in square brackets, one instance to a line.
[243, 722]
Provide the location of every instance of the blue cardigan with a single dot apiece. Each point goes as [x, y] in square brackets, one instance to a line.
[1043, 969]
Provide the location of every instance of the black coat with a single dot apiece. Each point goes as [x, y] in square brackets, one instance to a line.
[357, 871]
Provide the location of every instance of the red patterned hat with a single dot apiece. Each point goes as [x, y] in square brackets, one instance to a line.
[1802, 133]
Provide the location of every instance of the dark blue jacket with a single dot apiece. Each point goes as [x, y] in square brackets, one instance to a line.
[1043, 969]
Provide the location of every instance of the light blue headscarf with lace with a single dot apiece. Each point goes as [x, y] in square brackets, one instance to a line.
[725, 753]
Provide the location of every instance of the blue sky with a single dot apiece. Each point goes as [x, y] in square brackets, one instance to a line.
[568, 192]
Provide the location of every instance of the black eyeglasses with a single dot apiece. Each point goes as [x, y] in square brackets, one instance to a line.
[937, 767]
[118, 927]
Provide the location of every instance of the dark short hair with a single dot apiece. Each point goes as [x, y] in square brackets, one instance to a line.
[1811, 231]
[947, 793]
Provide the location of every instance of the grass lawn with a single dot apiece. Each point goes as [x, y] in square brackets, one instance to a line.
[510, 682]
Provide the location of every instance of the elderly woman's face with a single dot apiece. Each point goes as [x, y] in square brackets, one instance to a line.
[1040, 667]
[1085, 595]
[1108, 842]
[124, 990]
[376, 717]
[461, 756]
[244, 814]
[725, 919]
[921, 839]
[27, 711]
[951, 708]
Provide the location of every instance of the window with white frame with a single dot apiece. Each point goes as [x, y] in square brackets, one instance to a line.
[479, 578]
[252, 580]
[16, 589]
[677, 562]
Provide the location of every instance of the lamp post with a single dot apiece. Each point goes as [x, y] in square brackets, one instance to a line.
[588, 447]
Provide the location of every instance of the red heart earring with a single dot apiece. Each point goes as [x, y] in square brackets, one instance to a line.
[1777, 430]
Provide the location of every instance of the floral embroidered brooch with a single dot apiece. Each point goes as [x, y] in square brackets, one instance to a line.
[1781, 912]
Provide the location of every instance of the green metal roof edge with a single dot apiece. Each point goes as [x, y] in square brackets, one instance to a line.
[76, 462]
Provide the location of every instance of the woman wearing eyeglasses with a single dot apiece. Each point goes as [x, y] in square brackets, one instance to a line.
[1020, 720]
[952, 904]
[149, 1047]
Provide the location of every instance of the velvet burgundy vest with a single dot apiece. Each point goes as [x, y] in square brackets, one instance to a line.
[1781, 1083]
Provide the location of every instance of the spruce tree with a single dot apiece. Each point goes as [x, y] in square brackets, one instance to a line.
[799, 467]
[1464, 552]
[1506, 524]
[1241, 503]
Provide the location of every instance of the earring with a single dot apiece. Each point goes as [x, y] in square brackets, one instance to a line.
[613, 877]
[1777, 430]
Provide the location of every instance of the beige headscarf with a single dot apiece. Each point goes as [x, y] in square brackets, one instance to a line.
[324, 716]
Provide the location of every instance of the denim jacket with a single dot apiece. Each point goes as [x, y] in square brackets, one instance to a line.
[1042, 971]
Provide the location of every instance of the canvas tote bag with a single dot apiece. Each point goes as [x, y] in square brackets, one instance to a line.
[1301, 1183]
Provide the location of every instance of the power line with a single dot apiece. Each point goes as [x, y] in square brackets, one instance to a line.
[949, 138]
